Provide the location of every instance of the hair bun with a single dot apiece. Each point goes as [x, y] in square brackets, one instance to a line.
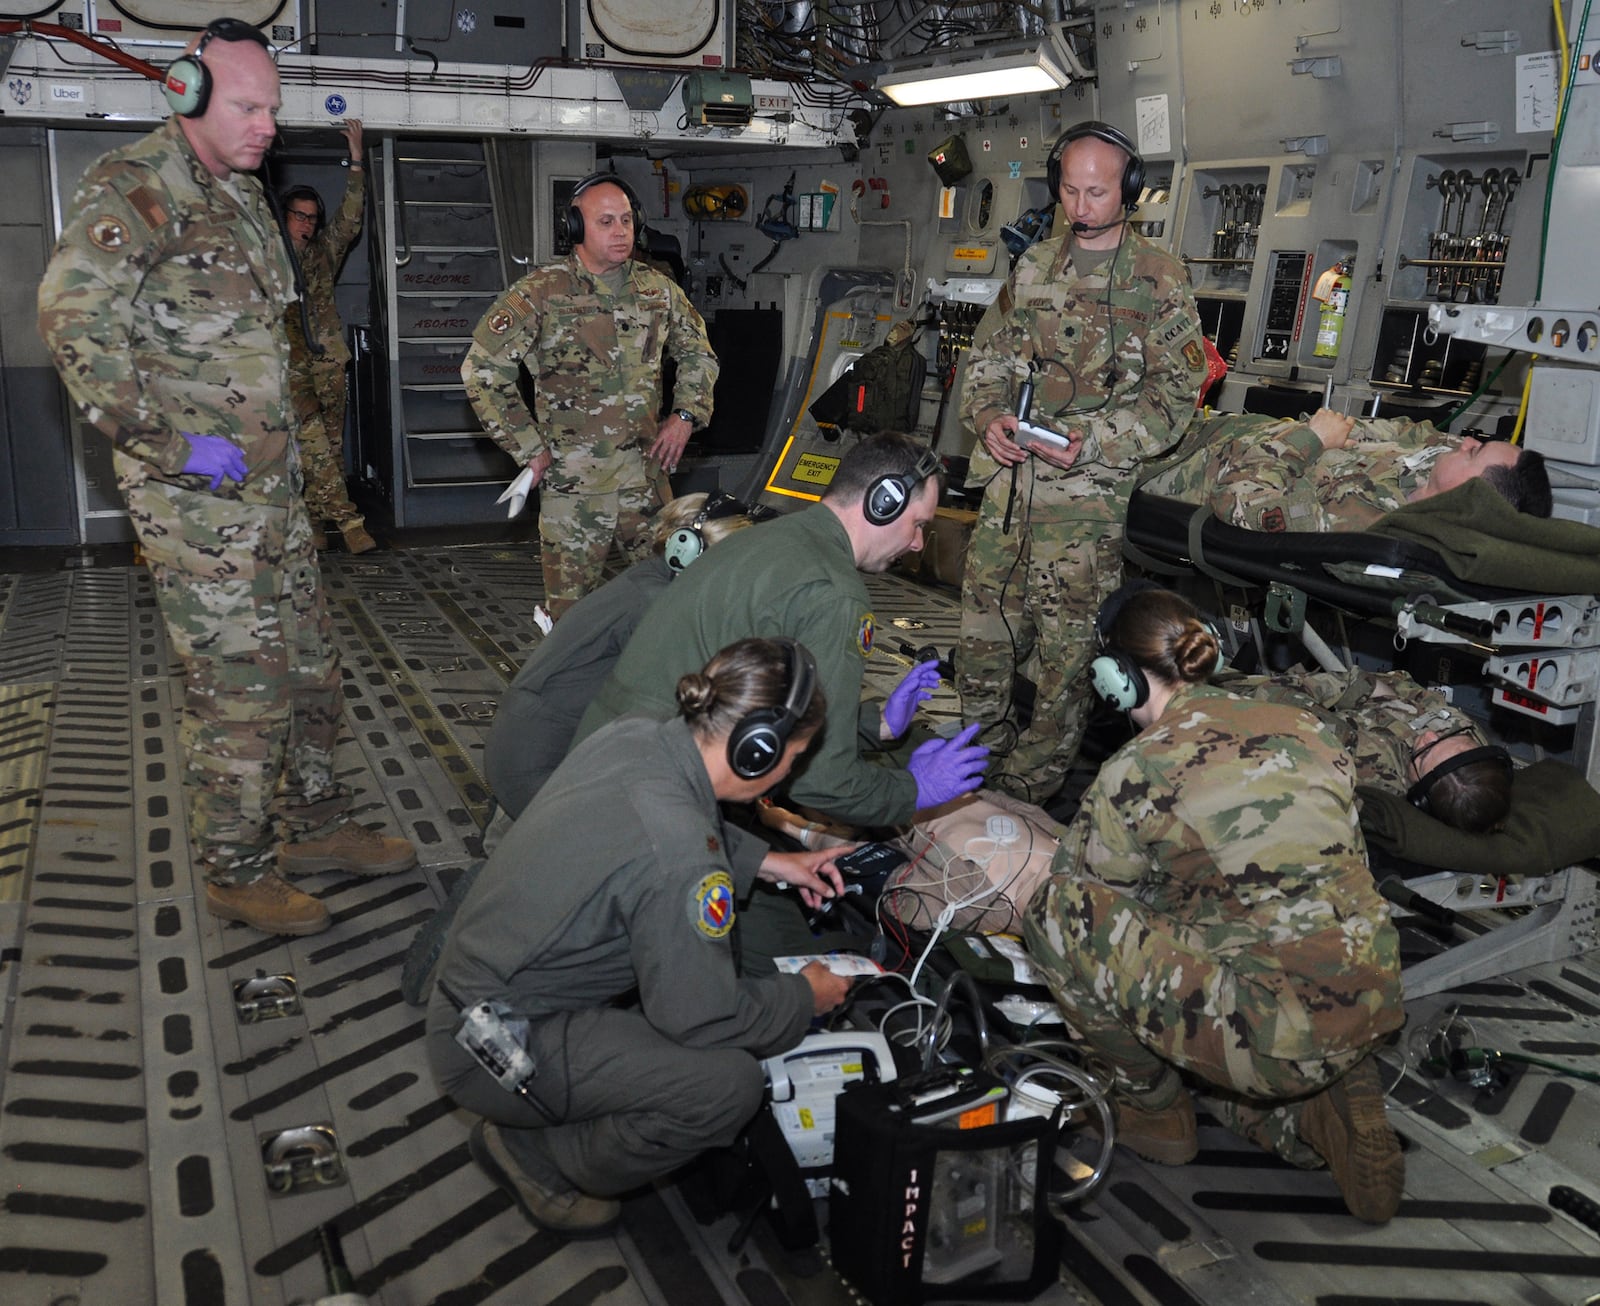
[696, 693]
[1195, 651]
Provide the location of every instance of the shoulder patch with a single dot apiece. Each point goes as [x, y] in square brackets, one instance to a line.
[711, 905]
[500, 321]
[1195, 356]
[108, 234]
[866, 634]
[1273, 520]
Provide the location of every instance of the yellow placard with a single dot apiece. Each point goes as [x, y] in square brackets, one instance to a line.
[947, 201]
[969, 254]
[816, 468]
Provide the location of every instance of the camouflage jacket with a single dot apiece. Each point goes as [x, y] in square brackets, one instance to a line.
[163, 309]
[1272, 474]
[1121, 362]
[319, 269]
[1237, 820]
[1375, 715]
[595, 359]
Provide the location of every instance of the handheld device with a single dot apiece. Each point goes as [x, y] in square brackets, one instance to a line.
[871, 859]
[1030, 434]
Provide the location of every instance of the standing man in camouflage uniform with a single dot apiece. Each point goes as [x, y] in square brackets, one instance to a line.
[1102, 326]
[163, 307]
[317, 368]
[591, 332]
[1210, 915]
[1331, 472]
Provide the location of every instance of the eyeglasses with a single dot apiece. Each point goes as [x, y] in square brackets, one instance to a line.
[1416, 753]
[296, 214]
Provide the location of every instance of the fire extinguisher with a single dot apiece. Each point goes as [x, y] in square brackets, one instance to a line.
[1330, 326]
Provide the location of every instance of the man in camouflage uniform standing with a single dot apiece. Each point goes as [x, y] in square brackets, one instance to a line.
[1102, 324]
[1331, 472]
[1210, 912]
[163, 307]
[591, 332]
[317, 368]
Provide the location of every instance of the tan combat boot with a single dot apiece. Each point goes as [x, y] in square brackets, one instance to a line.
[547, 1200]
[1167, 1135]
[1347, 1126]
[351, 847]
[268, 904]
[357, 539]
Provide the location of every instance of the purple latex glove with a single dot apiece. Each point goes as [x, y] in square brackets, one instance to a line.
[918, 686]
[947, 768]
[215, 456]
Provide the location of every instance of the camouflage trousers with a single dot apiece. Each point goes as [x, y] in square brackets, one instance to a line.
[1148, 993]
[241, 597]
[576, 532]
[319, 403]
[1031, 596]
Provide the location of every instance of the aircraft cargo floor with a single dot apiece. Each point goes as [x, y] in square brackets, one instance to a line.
[160, 1081]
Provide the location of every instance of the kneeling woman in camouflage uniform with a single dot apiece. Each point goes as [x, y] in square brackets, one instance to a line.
[1210, 917]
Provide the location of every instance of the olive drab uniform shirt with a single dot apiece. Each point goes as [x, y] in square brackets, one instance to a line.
[1236, 820]
[1272, 474]
[616, 878]
[319, 269]
[1127, 378]
[163, 308]
[595, 359]
[541, 708]
[794, 576]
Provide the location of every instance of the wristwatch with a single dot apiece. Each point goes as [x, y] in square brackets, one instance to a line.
[685, 414]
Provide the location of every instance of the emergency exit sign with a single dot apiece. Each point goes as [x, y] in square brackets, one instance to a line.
[774, 104]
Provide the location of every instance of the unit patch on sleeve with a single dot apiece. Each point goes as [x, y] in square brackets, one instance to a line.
[108, 233]
[866, 635]
[711, 905]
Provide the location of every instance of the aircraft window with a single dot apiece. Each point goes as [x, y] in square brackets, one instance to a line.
[982, 206]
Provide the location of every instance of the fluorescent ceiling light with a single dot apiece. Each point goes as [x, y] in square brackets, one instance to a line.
[974, 75]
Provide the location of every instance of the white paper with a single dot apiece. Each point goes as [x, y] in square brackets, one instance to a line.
[1537, 78]
[840, 963]
[517, 492]
[1155, 129]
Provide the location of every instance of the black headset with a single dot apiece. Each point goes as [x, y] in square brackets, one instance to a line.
[1418, 794]
[1132, 172]
[305, 193]
[187, 85]
[756, 742]
[886, 498]
[687, 543]
[1116, 677]
[575, 214]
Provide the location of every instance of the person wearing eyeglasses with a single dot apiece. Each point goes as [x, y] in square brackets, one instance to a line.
[1403, 737]
[317, 362]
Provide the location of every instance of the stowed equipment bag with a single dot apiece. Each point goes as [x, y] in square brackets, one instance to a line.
[881, 390]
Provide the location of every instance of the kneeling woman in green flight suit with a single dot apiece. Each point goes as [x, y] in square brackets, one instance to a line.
[617, 879]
